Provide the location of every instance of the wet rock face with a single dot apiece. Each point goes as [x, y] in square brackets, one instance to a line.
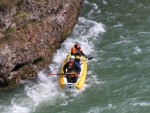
[30, 33]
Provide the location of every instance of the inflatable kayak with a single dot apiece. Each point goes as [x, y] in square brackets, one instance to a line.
[64, 84]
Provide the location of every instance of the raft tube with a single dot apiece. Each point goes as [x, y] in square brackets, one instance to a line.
[81, 79]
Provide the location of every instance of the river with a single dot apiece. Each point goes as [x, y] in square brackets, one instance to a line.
[117, 34]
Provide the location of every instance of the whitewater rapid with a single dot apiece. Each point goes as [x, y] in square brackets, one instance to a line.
[46, 90]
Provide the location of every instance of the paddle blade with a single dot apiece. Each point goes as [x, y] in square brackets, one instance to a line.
[90, 58]
[51, 74]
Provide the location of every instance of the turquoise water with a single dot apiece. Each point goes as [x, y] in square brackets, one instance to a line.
[117, 34]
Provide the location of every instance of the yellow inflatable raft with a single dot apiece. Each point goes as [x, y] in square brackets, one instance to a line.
[81, 79]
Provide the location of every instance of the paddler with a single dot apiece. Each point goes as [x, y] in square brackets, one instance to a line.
[70, 67]
[77, 52]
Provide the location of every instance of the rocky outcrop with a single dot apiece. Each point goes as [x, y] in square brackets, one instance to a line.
[30, 33]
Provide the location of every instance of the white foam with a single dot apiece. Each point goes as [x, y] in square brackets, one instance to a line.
[15, 108]
[93, 80]
[118, 25]
[18, 109]
[96, 28]
[46, 89]
[95, 7]
[105, 2]
[94, 110]
[122, 42]
[99, 109]
[144, 32]
[141, 104]
[137, 50]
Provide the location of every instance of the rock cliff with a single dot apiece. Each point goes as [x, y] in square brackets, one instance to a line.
[30, 33]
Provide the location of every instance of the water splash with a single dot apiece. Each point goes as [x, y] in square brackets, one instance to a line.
[46, 89]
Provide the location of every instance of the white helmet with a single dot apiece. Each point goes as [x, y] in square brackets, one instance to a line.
[72, 57]
[77, 43]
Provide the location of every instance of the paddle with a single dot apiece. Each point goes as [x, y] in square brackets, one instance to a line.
[54, 74]
[59, 74]
[89, 58]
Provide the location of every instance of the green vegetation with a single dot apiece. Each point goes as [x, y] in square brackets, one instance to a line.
[10, 31]
[67, 34]
[21, 16]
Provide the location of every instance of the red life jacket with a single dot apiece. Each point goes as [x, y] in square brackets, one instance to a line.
[75, 51]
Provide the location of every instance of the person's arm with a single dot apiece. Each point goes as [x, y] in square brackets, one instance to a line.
[65, 67]
[83, 54]
[78, 68]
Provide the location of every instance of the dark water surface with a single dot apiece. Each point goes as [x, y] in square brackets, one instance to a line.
[117, 34]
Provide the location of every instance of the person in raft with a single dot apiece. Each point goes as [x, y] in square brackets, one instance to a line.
[77, 52]
[73, 69]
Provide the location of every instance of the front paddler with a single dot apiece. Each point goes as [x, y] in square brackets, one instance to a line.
[77, 52]
[72, 66]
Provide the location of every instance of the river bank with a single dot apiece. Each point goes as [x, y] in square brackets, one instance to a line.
[30, 34]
